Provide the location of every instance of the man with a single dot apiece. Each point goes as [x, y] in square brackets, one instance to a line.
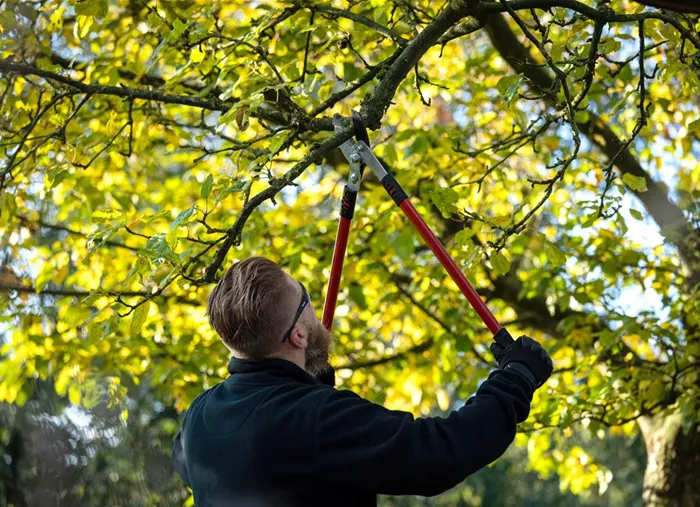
[273, 434]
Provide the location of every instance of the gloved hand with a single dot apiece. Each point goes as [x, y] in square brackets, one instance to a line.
[526, 357]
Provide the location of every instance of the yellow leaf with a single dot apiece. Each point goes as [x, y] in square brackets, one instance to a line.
[139, 317]
[74, 395]
[197, 55]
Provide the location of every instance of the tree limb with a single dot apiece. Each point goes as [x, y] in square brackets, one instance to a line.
[211, 104]
[84, 293]
[58, 227]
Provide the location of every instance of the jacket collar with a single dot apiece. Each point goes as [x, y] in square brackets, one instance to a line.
[274, 366]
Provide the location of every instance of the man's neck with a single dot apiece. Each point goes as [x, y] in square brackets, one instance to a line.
[297, 359]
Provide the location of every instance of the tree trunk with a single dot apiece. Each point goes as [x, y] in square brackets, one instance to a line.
[673, 462]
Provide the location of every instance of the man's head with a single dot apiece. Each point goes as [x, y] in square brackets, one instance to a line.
[260, 311]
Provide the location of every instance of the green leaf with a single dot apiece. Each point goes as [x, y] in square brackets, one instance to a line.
[172, 238]
[445, 200]
[554, 254]
[276, 142]
[154, 56]
[403, 246]
[420, 145]
[582, 116]
[178, 29]
[357, 295]
[7, 21]
[692, 81]
[636, 183]
[158, 248]
[472, 252]
[609, 46]
[694, 125]
[97, 8]
[182, 217]
[500, 264]
[28, 12]
[139, 317]
[462, 238]
[111, 325]
[92, 297]
[508, 85]
[637, 214]
[60, 176]
[8, 205]
[206, 187]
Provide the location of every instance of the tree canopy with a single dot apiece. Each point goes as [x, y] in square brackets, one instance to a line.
[552, 145]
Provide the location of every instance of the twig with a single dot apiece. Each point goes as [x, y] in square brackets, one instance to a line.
[7, 173]
[130, 231]
[130, 123]
[362, 20]
[306, 49]
[85, 166]
[420, 93]
[366, 78]
[592, 59]
[58, 227]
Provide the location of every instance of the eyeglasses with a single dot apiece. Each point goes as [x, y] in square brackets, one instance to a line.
[305, 300]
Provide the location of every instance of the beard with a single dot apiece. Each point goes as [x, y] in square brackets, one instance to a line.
[318, 351]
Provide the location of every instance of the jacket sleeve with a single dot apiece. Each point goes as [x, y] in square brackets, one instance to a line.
[178, 457]
[365, 446]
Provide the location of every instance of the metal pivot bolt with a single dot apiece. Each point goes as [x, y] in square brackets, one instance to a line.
[354, 178]
[355, 158]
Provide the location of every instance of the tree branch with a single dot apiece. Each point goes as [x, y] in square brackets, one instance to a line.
[363, 20]
[416, 349]
[374, 107]
[316, 154]
[211, 104]
[84, 293]
[58, 227]
[668, 216]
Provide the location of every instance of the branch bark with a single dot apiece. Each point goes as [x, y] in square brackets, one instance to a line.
[9, 287]
[58, 227]
[211, 104]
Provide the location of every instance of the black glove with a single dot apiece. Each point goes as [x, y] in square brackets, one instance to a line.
[527, 357]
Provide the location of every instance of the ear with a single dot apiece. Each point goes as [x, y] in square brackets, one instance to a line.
[299, 337]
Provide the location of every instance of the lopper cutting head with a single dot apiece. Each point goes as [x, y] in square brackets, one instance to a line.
[360, 134]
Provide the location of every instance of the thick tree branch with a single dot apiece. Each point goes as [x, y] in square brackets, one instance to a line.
[460, 30]
[211, 104]
[604, 15]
